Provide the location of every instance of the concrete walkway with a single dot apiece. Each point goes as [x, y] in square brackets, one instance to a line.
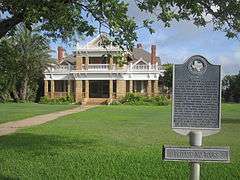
[11, 127]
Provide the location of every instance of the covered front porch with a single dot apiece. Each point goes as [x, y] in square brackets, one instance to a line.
[98, 90]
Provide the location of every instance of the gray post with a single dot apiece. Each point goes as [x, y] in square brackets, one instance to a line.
[195, 139]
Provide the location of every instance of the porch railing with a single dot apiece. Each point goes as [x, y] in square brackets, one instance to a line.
[140, 67]
[105, 67]
[96, 67]
[145, 67]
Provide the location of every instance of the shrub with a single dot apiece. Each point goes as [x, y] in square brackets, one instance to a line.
[60, 100]
[115, 102]
[138, 99]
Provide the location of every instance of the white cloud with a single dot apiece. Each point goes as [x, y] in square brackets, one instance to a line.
[230, 65]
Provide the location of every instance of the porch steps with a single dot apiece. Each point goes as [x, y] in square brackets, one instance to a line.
[96, 101]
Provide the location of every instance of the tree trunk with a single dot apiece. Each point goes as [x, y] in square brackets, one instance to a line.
[15, 95]
[24, 86]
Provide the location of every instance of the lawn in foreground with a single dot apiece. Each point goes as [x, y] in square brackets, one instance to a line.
[112, 142]
[17, 111]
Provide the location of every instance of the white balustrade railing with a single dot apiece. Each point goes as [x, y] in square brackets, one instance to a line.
[60, 68]
[140, 67]
[98, 67]
[150, 67]
[105, 67]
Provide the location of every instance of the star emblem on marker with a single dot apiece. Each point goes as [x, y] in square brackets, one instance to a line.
[197, 65]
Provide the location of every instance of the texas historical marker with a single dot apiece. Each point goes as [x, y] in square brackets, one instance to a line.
[196, 112]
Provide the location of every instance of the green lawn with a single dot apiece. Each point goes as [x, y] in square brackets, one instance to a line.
[17, 111]
[112, 142]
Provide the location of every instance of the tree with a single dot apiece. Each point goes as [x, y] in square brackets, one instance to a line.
[64, 18]
[24, 57]
[168, 76]
[231, 88]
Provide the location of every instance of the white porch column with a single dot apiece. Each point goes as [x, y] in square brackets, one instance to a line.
[142, 86]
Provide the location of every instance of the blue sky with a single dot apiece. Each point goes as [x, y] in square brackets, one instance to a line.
[182, 40]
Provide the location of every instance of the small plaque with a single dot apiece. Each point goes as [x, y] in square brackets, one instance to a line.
[196, 154]
[196, 96]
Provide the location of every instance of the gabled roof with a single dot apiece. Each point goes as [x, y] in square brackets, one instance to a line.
[138, 53]
[140, 61]
[99, 38]
[93, 46]
[96, 44]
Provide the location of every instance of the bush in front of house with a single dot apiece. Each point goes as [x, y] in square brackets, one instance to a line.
[59, 100]
[138, 99]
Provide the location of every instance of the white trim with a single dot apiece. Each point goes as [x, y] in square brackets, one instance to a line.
[141, 59]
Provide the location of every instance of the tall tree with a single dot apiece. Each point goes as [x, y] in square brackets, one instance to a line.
[64, 18]
[231, 88]
[168, 76]
[24, 57]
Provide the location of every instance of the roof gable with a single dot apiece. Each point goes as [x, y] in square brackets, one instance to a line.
[140, 62]
[97, 41]
[138, 53]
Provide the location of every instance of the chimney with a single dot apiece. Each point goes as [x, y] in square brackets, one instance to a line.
[153, 54]
[60, 54]
[139, 45]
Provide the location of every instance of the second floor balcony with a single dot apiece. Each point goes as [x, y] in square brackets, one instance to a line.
[105, 68]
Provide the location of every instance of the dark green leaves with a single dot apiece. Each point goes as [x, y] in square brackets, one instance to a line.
[67, 19]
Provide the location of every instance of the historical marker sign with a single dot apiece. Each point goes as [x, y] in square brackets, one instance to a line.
[196, 96]
[196, 154]
[196, 112]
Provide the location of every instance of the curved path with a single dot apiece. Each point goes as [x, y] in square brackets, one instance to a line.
[11, 127]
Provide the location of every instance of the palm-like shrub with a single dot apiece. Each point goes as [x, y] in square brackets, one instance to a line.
[24, 56]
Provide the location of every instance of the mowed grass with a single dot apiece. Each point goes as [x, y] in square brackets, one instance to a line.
[112, 142]
[17, 111]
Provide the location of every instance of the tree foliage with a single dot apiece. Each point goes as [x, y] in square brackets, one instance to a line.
[65, 18]
[23, 59]
[168, 76]
[231, 88]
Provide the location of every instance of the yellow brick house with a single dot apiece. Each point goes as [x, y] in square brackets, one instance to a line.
[92, 77]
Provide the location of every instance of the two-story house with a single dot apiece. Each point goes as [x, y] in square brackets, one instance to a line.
[92, 77]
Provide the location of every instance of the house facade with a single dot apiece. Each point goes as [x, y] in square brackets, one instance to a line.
[92, 76]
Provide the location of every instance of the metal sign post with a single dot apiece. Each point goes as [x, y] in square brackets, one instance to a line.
[196, 111]
[195, 139]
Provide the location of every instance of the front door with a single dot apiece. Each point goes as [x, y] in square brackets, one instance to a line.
[99, 89]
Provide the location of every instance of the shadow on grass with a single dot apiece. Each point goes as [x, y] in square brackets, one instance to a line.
[8, 178]
[231, 121]
[36, 142]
